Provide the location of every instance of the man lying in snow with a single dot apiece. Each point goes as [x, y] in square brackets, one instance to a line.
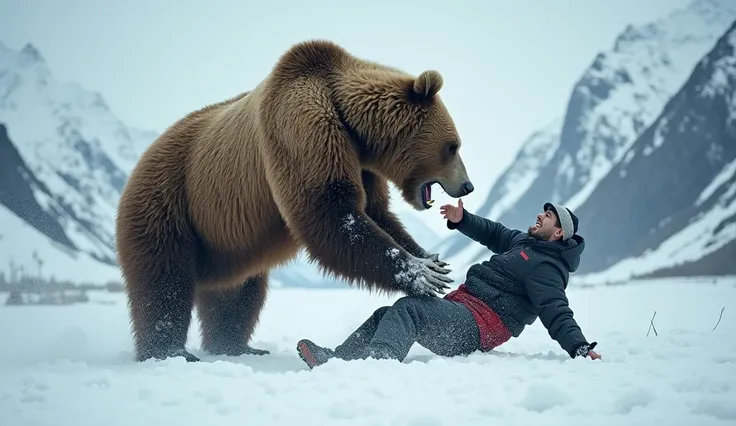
[526, 278]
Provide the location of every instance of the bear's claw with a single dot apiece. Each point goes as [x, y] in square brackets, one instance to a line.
[238, 351]
[176, 353]
[436, 258]
[253, 351]
[428, 279]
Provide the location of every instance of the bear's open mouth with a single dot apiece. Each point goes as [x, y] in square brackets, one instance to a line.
[426, 194]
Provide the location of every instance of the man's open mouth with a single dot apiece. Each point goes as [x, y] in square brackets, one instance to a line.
[426, 194]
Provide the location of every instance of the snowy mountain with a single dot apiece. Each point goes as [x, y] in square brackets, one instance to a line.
[669, 207]
[67, 160]
[615, 101]
[64, 158]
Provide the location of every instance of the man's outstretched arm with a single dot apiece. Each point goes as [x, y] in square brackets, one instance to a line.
[493, 235]
[547, 294]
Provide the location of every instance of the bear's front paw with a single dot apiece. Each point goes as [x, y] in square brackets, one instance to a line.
[426, 278]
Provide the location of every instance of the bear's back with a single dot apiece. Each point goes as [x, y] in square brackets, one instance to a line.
[226, 177]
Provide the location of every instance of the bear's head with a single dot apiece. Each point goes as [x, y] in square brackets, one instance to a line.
[406, 133]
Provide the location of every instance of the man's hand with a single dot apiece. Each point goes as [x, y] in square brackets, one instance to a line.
[452, 213]
[586, 350]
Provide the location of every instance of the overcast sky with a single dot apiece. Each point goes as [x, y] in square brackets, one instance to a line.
[508, 66]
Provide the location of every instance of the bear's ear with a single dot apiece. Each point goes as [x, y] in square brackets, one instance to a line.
[428, 83]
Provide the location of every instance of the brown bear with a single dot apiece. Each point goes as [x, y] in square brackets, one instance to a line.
[303, 160]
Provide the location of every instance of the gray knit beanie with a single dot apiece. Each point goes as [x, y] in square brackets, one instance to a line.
[568, 220]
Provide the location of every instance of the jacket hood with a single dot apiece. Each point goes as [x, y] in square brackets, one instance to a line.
[568, 251]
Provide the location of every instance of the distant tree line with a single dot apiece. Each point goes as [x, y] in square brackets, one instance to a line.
[21, 279]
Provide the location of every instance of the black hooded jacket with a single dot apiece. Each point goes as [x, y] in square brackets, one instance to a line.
[526, 278]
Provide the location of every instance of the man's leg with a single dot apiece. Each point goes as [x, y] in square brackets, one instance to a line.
[444, 327]
[352, 348]
[355, 344]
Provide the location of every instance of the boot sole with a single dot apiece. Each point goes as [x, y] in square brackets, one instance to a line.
[306, 355]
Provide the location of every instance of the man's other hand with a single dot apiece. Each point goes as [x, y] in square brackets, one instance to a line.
[586, 350]
[452, 213]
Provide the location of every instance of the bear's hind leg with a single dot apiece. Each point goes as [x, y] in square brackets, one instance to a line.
[161, 314]
[229, 316]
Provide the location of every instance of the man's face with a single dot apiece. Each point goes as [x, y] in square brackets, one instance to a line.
[546, 227]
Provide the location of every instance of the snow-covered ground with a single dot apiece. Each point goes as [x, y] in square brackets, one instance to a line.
[72, 365]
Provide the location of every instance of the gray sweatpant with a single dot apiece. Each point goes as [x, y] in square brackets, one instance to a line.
[444, 327]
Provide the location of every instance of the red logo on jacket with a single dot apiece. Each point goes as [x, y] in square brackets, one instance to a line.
[524, 255]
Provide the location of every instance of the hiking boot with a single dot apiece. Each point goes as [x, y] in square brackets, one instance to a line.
[312, 354]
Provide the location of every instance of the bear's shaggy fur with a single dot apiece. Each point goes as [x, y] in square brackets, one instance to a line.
[302, 161]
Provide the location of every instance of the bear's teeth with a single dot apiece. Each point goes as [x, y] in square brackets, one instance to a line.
[430, 202]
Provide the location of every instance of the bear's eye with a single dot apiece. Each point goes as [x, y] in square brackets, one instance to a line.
[452, 148]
